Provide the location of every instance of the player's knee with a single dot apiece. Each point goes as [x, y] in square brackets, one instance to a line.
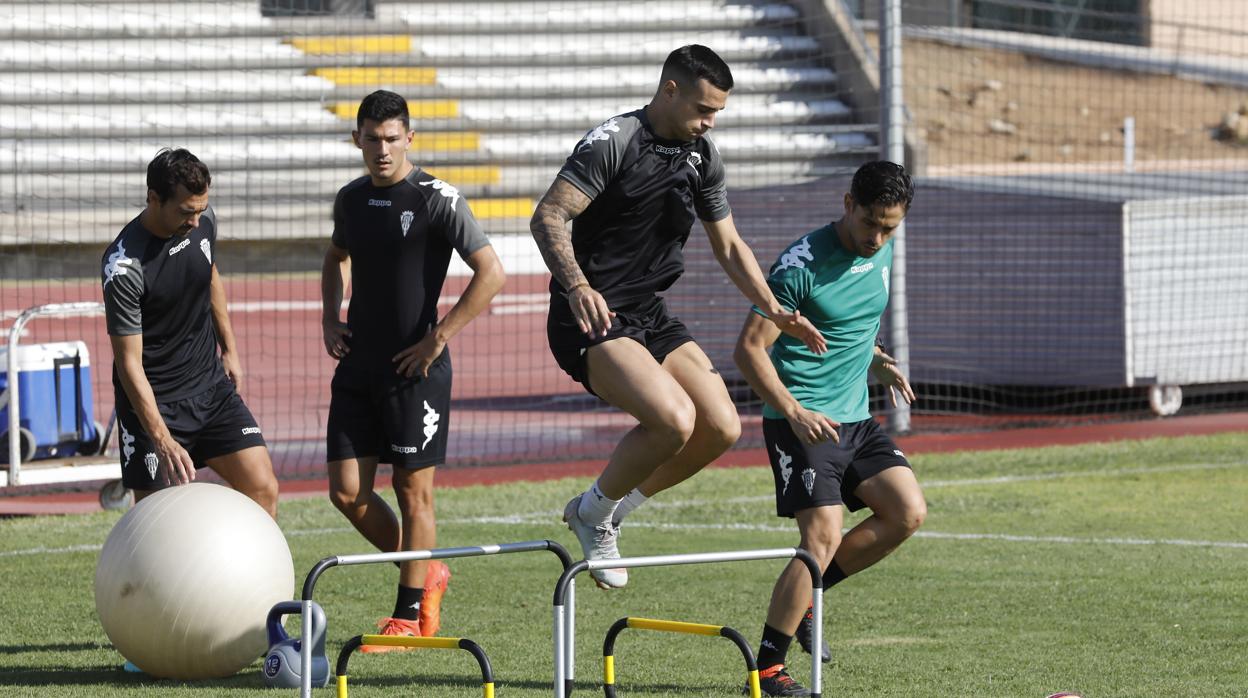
[348, 501]
[907, 520]
[674, 426]
[821, 541]
[725, 430]
[265, 494]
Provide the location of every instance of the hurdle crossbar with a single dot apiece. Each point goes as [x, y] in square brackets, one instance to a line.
[441, 643]
[675, 626]
[565, 620]
[309, 585]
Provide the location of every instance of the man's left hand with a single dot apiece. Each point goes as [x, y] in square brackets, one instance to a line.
[233, 369]
[417, 358]
[794, 324]
[884, 368]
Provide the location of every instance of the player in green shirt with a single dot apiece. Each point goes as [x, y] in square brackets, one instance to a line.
[825, 448]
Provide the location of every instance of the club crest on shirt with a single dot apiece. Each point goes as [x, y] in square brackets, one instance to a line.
[601, 132]
[444, 189]
[206, 249]
[405, 220]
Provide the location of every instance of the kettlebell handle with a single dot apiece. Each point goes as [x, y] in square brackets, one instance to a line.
[277, 633]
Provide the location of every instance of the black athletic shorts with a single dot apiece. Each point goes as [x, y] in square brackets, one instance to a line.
[646, 321]
[828, 473]
[376, 413]
[213, 423]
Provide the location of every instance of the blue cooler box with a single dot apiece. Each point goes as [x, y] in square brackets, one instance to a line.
[55, 400]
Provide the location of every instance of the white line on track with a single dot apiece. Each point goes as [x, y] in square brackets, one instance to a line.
[539, 517]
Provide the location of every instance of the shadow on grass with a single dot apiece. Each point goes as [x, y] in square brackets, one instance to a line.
[112, 674]
[27, 648]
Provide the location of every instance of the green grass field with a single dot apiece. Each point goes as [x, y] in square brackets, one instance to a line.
[1113, 570]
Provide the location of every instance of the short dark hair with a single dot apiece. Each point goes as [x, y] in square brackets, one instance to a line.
[688, 64]
[383, 105]
[882, 183]
[172, 167]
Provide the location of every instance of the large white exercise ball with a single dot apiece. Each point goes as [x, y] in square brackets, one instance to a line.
[186, 580]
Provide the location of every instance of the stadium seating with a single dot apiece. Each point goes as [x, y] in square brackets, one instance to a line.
[500, 92]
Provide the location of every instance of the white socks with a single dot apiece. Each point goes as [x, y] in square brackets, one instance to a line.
[631, 501]
[596, 508]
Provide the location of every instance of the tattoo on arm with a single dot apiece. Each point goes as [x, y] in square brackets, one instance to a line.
[549, 226]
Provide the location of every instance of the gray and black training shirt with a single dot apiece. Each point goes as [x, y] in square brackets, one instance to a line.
[160, 288]
[646, 192]
[400, 239]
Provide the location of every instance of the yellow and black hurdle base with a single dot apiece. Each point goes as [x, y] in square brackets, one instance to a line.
[674, 626]
[438, 643]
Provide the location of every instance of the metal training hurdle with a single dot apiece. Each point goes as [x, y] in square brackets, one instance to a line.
[565, 612]
[309, 584]
[442, 643]
[674, 626]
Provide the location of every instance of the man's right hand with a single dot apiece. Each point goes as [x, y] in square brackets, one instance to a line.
[813, 427]
[175, 463]
[590, 310]
[336, 334]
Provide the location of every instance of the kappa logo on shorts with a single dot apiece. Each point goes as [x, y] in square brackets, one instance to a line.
[786, 470]
[404, 449]
[808, 479]
[250, 430]
[897, 452]
[431, 423]
[152, 462]
[127, 444]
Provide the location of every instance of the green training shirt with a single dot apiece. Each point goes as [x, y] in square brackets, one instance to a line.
[843, 296]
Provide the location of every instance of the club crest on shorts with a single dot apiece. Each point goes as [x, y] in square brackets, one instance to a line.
[786, 468]
[151, 462]
[206, 249]
[405, 221]
[808, 479]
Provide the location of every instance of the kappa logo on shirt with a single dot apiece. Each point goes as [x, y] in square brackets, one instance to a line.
[664, 150]
[601, 132]
[796, 256]
[444, 189]
[860, 268]
[383, 203]
[178, 247]
[117, 265]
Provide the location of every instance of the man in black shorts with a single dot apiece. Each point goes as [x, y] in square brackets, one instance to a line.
[825, 448]
[394, 231]
[178, 406]
[633, 188]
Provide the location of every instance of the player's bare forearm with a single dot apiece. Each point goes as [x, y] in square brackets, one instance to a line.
[739, 263]
[221, 314]
[128, 357]
[549, 226]
[750, 355]
[487, 280]
[335, 275]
